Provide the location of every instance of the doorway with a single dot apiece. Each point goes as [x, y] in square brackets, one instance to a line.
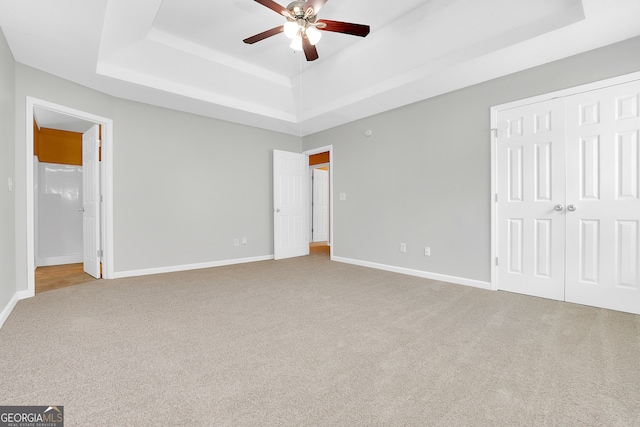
[103, 220]
[321, 192]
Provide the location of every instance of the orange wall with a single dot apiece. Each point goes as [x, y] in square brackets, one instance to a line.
[316, 159]
[57, 146]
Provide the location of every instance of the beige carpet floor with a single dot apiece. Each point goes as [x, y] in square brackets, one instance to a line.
[311, 342]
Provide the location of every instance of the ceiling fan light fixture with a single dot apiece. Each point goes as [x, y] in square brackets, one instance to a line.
[296, 43]
[291, 29]
[313, 35]
[303, 27]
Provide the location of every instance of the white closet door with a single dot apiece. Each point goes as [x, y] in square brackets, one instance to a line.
[603, 197]
[531, 197]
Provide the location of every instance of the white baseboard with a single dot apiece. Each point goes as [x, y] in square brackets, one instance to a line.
[59, 260]
[185, 267]
[6, 311]
[24, 294]
[418, 273]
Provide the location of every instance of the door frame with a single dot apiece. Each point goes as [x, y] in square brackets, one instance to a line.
[318, 150]
[494, 142]
[106, 185]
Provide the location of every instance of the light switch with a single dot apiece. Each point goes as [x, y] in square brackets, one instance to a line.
[10, 184]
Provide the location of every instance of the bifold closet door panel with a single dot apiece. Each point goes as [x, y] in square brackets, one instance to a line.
[531, 197]
[603, 197]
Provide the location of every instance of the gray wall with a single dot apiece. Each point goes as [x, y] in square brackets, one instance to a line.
[7, 206]
[423, 176]
[184, 186]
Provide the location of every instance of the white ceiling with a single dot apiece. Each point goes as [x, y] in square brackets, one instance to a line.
[189, 55]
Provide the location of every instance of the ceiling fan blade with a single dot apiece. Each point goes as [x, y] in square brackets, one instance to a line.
[276, 7]
[263, 35]
[310, 50]
[343, 27]
[315, 4]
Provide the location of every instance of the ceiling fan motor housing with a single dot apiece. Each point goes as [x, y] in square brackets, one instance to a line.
[302, 25]
[297, 9]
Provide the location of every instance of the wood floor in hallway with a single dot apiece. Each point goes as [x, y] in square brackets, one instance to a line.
[60, 276]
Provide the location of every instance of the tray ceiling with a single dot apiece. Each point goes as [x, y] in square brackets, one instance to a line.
[189, 55]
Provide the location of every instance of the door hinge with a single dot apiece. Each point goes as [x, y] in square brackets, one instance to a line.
[101, 198]
[496, 197]
[496, 260]
[99, 253]
[494, 132]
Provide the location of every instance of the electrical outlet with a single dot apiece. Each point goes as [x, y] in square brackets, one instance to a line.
[236, 242]
[403, 247]
[427, 251]
[244, 240]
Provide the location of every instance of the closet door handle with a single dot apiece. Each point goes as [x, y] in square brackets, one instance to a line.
[571, 208]
[81, 210]
[558, 207]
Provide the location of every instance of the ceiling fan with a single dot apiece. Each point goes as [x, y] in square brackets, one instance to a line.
[302, 26]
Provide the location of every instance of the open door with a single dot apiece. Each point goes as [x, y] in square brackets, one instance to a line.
[320, 206]
[91, 201]
[290, 204]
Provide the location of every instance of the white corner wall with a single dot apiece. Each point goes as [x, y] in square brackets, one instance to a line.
[7, 173]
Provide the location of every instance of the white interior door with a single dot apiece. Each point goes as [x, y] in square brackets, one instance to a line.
[91, 201]
[530, 206]
[568, 210]
[603, 196]
[320, 210]
[291, 204]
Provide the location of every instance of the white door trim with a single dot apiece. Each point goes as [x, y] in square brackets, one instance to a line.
[494, 141]
[328, 148]
[106, 184]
